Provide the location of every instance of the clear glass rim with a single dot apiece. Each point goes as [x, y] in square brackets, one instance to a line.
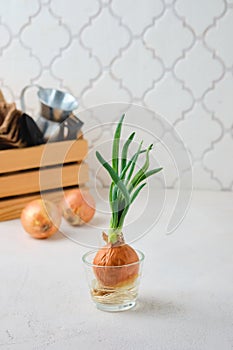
[140, 254]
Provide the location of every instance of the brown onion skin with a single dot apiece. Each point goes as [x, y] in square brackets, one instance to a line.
[116, 256]
[78, 207]
[41, 218]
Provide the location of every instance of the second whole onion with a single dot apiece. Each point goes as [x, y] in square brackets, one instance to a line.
[78, 207]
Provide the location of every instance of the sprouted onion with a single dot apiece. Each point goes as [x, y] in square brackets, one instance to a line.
[124, 189]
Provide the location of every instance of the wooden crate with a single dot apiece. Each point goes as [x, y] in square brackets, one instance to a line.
[26, 173]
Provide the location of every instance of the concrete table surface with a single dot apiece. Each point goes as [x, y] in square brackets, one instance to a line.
[185, 300]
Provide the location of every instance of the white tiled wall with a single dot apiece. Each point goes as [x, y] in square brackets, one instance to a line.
[175, 57]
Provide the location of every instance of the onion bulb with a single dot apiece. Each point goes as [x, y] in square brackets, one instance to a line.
[41, 218]
[120, 256]
[78, 207]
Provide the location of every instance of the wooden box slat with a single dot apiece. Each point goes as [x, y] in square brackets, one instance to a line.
[30, 157]
[35, 181]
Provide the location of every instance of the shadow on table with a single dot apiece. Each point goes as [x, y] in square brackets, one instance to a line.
[161, 307]
[57, 237]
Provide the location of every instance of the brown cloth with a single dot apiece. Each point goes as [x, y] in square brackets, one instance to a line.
[17, 129]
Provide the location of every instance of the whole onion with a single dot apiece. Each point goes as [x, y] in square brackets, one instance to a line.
[78, 207]
[41, 218]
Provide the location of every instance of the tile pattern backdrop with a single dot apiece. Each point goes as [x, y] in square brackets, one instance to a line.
[175, 57]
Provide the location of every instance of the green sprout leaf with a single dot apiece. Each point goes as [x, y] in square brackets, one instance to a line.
[131, 170]
[141, 172]
[136, 192]
[115, 146]
[149, 173]
[125, 185]
[125, 151]
[115, 178]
